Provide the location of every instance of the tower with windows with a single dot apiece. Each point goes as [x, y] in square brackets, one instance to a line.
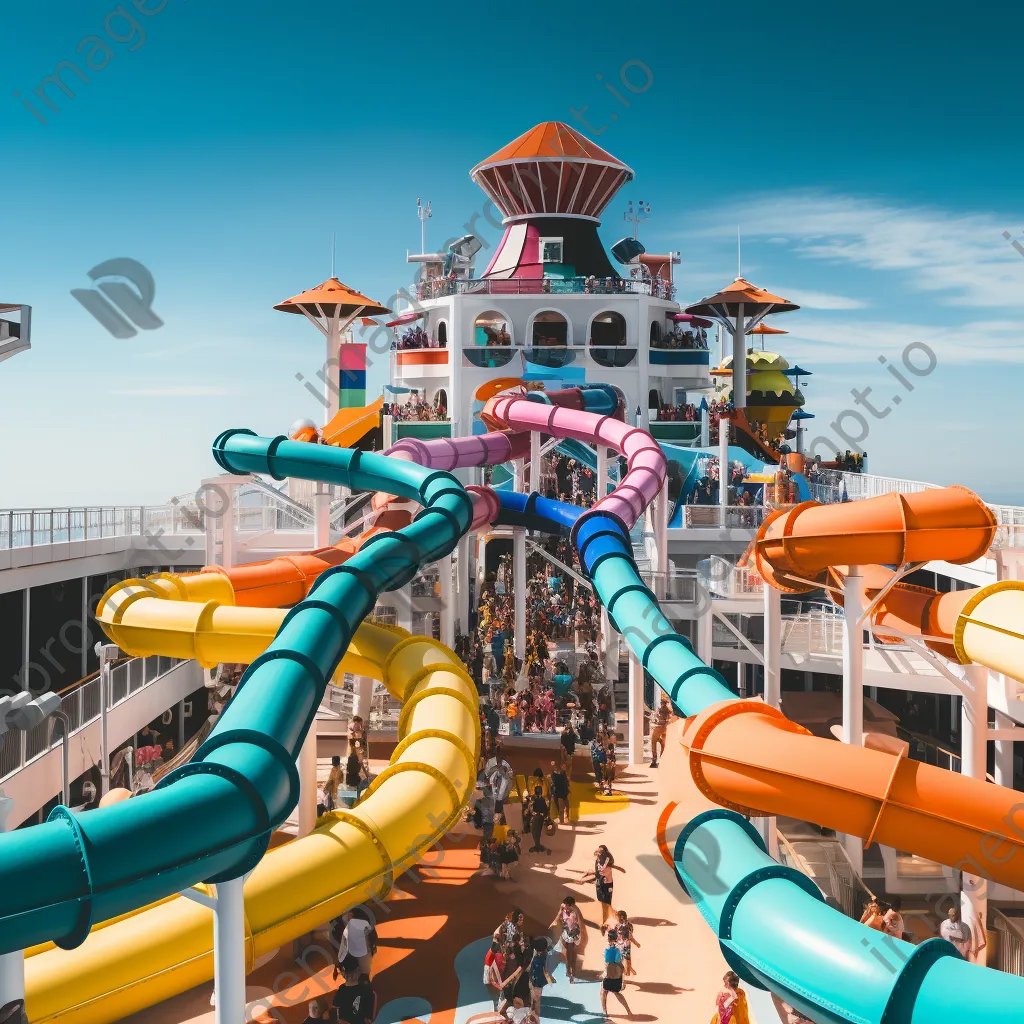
[550, 302]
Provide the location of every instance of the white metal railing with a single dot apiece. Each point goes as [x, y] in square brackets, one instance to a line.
[818, 631]
[384, 709]
[1010, 952]
[81, 703]
[737, 517]
[28, 527]
[722, 577]
[867, 485]
[1010, 531]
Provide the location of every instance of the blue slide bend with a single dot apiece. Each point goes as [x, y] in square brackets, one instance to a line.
[216, 814]
[773, 925]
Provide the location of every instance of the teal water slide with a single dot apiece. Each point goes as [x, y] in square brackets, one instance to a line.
[774, 927]
[215, 815]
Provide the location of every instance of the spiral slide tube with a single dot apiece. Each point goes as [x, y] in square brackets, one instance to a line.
[812, 544]
[774, 930]
[216, 814]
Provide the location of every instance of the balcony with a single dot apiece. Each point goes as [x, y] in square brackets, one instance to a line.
[544, 286]
[689, 357]
[613, 356]
[682, 432]
[554, 356]
[489, 357]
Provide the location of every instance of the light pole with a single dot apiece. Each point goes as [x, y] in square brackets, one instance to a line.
[638, 215]
[107, 653]
[424, 213]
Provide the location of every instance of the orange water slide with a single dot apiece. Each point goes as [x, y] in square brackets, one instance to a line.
[751, 758]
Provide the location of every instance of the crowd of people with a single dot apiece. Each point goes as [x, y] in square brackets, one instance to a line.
[684, 337]
[517, 968]
[687, 413]
[417, 408]
[416, 337]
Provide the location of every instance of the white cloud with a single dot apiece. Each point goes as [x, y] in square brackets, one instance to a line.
[826, 340]
[962, 257]
[822, 300]
[179, 391]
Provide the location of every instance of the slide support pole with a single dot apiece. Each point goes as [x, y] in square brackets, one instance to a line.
[307, 782]
[772, 687]
[739, 360]
[362, 698]
[853, 683]
[635, 735]
[519, 590]
[723, 471]
[602, 471]
[321, 517]
[462, 569]
[444, 568]
[229, 952]
[974, 748]
[1004, 753]
[12, 965]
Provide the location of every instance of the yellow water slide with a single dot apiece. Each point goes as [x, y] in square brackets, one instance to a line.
[352, 857]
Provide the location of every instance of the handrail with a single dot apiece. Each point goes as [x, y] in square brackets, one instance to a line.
[82, 704]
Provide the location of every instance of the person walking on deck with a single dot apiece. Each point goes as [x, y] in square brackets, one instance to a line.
[611, 978]
[731, 1004]
[604, 882]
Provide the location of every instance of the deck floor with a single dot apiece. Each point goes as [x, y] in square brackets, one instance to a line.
[434, 929]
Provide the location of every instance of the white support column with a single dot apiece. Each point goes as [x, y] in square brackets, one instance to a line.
[1004, 753]
[739, 360]
[229, 952]
[227, 529]
[403, 607]
[602, 472]
[444, 568]
[705, 634]
[723, 471]
[635, 736]
[332, 368]
[705, 426]
[107, 653]
[84, 665]
[974, 724]
[321, 517]
[973, 764]
[853, 683]
[535, 461]
[465, 579]
[362, 693]
[481, 559]
[306, 764]
[519, 585]
[12, 965]
[661, 537]
[610, 647]
[772, 646]
[772, 689]
[519, 475]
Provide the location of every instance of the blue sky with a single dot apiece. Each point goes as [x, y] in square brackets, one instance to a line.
[872, 159]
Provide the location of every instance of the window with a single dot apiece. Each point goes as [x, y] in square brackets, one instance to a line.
[550, 329]
[551, 250]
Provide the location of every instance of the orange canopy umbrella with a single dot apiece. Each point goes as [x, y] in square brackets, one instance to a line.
[727, 301]
[332, 299]
[763, 329]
